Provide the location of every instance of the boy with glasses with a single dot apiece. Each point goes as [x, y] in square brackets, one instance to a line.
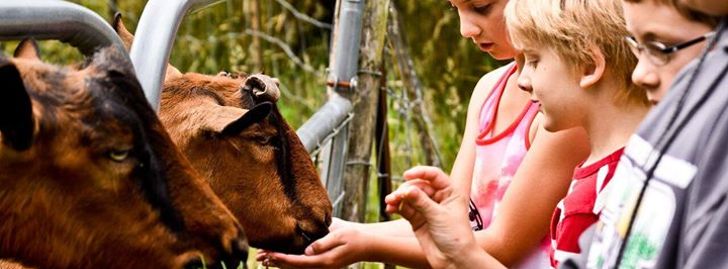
[665, 37]
[666, 206]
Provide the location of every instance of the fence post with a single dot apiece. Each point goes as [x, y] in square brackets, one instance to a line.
[342, 78]
[364, 99]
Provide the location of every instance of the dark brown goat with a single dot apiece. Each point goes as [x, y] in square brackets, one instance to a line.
[90, 178]
[259, 169]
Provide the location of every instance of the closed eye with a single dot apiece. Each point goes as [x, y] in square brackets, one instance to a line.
[482, 9]
[118, 155]
[263, 140]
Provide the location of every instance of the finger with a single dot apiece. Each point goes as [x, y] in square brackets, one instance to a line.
[418, 200]
[324, 244]
[392, 209]
[442, 195]
[437, 178]
[394, 200]
[281, 260]
[415, 218]
[421, 184]
[407, 211]
[392, 205]
[262, 255]
[424, 185]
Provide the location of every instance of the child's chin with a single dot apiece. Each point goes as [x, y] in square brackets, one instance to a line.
[551, 126]
[500, 55]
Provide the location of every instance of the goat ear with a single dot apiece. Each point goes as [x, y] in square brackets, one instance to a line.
[16, 112]
[126, 37]
[228, 120]
[27, 49]
[256, 114]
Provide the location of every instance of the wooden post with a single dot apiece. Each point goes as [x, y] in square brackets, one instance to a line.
[358, 162]
[381, 145]
[414, 88]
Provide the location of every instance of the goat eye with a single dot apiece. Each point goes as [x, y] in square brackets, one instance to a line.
[263, 140]
[118, 155]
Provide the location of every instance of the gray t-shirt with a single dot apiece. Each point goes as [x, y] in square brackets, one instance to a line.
[682, 221]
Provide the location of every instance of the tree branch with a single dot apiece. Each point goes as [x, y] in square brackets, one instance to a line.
[281, 44]
[302, 16]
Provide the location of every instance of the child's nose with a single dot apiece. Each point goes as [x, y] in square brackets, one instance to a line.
[524, 83]
[644, 75]
[468, 28]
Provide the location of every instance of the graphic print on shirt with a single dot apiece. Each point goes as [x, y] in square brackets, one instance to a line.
[656, 211]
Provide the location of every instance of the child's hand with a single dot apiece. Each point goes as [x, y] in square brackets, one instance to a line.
[341, 247]
[438, 214]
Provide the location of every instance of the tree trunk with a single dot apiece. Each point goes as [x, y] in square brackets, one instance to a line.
[256, 50]
[413, 86]
[356, 173]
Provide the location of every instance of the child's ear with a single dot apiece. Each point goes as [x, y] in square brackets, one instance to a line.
[592, 73]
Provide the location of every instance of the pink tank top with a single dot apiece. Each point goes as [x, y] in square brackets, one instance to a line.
[497, 157]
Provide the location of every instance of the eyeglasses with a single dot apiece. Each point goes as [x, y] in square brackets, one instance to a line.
[657, 52]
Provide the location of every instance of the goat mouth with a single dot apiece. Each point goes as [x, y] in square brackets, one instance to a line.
[292, 244]
[307, 239]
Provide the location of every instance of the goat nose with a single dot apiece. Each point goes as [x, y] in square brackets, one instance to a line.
[327, 219]
[238, 256]
[240, 248]
[311, 236]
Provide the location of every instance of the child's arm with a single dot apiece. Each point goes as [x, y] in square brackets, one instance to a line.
[398, 227]
[347, 246]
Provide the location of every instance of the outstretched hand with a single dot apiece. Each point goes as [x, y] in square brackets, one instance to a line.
[341, 247]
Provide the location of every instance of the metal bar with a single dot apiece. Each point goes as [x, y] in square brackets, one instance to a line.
[57, 20]
[348, 37]
[153, 42]
[343, 66]
[323, 122]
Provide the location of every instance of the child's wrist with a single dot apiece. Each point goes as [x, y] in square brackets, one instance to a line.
[370, 248]
[469, 256]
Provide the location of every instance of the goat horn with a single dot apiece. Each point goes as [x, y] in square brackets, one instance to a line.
[263, 87]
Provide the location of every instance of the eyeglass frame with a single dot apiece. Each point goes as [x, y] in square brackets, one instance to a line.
[663, 51]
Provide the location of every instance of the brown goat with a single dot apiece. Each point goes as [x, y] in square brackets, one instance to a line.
[90, 178]
[261, 171]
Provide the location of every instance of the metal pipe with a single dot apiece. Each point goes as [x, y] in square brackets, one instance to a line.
[346, 45]
[347, 36]
[57, 20]
[153, 42]
[322, 123]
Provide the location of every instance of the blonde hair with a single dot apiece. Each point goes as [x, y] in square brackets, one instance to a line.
[573, 28]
